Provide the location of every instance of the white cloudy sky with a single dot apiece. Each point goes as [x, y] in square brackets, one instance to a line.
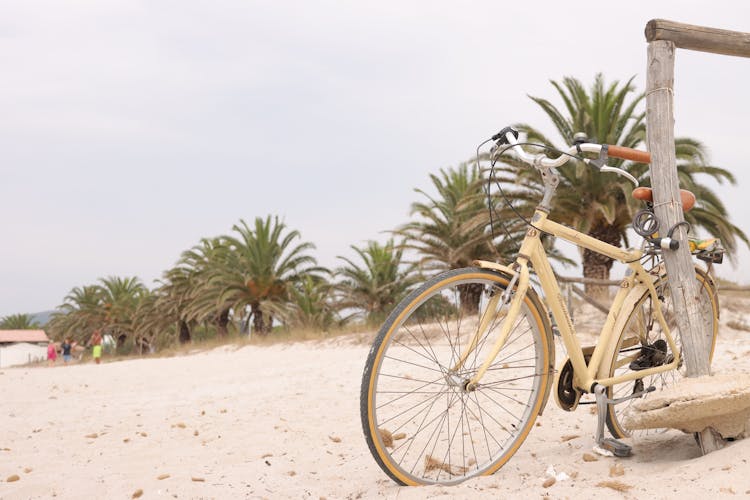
[131, 129]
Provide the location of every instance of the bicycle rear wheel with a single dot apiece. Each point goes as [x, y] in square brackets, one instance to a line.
[641, 344]
[421, 424]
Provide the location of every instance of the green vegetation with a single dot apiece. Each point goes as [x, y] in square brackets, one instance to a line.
[262, 280]
[18, 322]
[109, 305]
[451, 230]
[374, 288]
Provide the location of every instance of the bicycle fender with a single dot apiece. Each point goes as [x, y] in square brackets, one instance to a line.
[630, 301]
[485, 264]
[508, 273]
[634, 296]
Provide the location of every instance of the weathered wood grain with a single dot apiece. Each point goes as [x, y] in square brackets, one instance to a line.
[701, 38]
[668, 209]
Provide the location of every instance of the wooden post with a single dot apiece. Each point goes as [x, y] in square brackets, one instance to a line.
[667, 206]
[664, 37]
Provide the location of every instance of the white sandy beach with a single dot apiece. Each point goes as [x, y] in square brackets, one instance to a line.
[283, 422]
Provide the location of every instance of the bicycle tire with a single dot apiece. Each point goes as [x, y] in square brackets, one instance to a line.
[628, 348]
[420, 423]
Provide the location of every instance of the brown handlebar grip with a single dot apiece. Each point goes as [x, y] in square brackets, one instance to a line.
[628, 154]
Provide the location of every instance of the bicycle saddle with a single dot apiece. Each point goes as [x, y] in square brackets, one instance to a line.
[646, 194]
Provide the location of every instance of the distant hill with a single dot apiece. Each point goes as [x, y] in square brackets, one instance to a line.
[41, 317]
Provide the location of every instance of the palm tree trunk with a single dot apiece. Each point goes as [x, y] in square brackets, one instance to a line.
[184, 330]
[221, 323]
[598, 266]
[470, 296]
[259, 323]
[245, 324]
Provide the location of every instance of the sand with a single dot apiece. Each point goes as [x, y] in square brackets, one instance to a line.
[283, 422]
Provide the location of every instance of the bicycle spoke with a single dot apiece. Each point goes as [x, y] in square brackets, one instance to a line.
[654, 350]
[420, 403]
[432, 428]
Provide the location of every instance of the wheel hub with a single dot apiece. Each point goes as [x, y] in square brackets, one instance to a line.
[460, 382]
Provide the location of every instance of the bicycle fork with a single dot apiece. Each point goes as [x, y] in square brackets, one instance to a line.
[495, 310]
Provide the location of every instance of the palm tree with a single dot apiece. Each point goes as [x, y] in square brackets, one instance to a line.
[175, 296]
[120, 298]
[191, 289]
[313, 298]
[600, 204]
[109, 305]
[79, 315]
[150, 324]
[709, 213]
[374, 287]
[19, 322]
[452, 229]
[254, 270]
[455, 228]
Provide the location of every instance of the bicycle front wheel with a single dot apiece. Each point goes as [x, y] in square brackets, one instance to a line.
[641, 344]
[421, 423]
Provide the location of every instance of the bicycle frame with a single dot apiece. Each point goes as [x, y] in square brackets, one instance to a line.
[532, 251]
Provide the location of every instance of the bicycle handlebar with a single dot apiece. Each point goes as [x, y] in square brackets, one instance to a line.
[545, 162]
[624, 153]
[511, 138]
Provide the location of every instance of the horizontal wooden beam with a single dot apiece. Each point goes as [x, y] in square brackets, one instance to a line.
[700, 38]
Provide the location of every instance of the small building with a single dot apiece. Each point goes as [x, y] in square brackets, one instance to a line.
[19, 347]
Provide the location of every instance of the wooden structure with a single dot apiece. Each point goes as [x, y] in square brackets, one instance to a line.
[19, 347]
[664, 37]
[719, 401]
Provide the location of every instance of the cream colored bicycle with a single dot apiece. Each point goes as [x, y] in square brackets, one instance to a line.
[463, 366]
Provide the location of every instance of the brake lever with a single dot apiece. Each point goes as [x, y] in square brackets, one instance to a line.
[501, 135]
[621, 172]
[601, 164]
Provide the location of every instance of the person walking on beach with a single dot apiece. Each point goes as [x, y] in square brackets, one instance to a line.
[51, 353]
[96, 342]
[66, 346]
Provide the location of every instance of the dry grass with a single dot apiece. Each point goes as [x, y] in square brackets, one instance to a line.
[588, 457]
[235, 342]
[614, 485]
[431, 463]
[358, 334]
[616, 470]
[280, 336]
[386, 437]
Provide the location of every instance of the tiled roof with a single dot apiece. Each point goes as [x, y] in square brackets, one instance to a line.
[23, 336]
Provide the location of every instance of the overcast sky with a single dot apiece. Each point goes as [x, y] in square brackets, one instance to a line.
[129, 130]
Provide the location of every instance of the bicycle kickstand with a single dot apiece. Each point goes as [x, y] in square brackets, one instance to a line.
[617, 448]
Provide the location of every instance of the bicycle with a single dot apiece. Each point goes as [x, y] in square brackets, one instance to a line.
[462, 367]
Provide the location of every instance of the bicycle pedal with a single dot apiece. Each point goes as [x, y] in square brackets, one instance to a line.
[617, 448]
